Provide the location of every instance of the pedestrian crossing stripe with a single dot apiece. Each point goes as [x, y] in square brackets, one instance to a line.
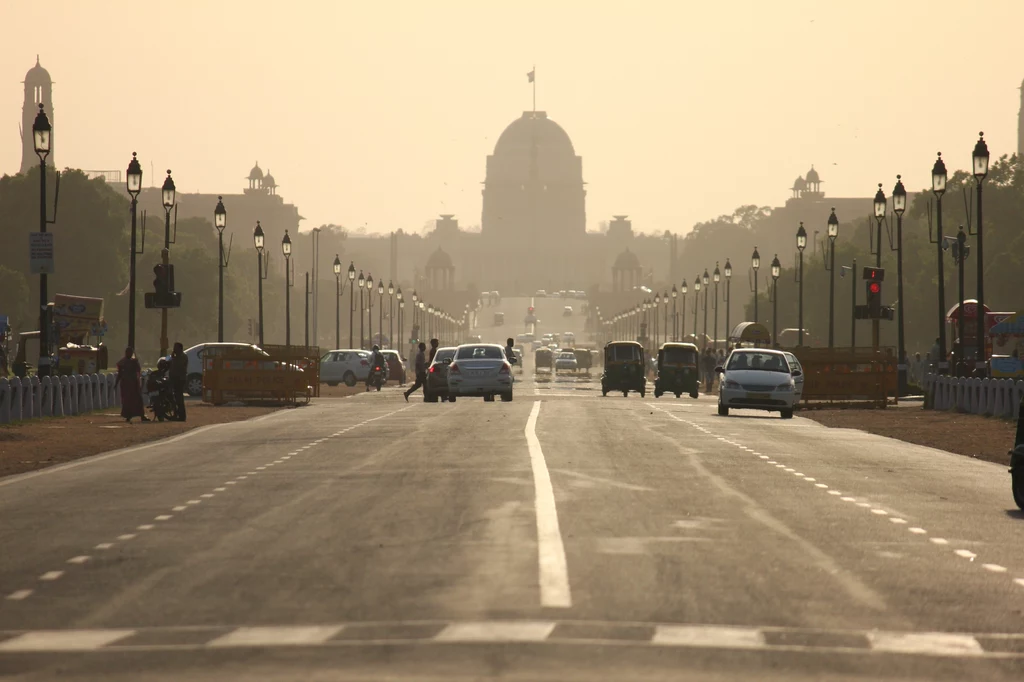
[547, 632]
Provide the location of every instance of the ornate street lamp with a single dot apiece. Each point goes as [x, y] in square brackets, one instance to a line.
[727, 271]
[833, 232]
[776, 271]
[696, 306]
[939, 188]
[286, 250]
[980, 158]
[258, 241]
[220, 221]
[369, 310]
[361, 285]
[134, 187]
[683, 289]
[899, 206]
[380, 311]
[716, 277]
[675, 318]
[880, 204]
[351, 299]
[755, 264]
[42, 138]
[801, 244]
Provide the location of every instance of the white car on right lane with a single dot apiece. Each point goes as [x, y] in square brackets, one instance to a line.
[566, 362]
[480, 369]
[757, 379]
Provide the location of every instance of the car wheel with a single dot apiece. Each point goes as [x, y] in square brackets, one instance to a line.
[787, 414]
[194, 385]
[723, 411]
[488, 398]
[451, 399]
[695, 395]
[625, 394]
[679, 394]
[506, 397]
[349, 379]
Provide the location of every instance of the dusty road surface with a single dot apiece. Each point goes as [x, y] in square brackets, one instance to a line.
[562, 536]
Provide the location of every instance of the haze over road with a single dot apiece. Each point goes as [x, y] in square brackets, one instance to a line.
[560, 536]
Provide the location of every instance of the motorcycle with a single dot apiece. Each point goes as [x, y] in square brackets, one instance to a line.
[161, 401]
[377, 377]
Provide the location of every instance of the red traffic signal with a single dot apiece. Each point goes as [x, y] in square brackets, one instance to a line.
[530, 309]
[875, 288]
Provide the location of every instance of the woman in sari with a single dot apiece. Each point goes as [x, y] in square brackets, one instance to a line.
[129, 377]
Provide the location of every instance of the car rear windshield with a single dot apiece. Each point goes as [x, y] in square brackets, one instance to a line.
[625, 352]
[681, 356]
[480, 353]
[444, 354]
[769, 362]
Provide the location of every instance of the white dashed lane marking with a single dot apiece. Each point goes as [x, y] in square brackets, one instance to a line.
[18, 595]
[78, 559]
[51, 575]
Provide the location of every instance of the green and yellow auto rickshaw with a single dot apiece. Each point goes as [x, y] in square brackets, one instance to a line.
[625, 368]
[677, 370]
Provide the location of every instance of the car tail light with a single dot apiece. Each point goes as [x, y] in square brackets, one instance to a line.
[505, 369]
[454, 369]
[432, 369]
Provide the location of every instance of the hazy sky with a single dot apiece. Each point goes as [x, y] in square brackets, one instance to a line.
[382, 113]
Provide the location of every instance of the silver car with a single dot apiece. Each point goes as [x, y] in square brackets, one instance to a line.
[348, 365]
[757, 379]
[480, 369]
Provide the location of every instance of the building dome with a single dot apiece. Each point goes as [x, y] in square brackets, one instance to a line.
[268, 180]
[799, 184]
[439, 260]
[812, 176]
[627, 260]
[256, 173]
[534, 127]
[37, 74]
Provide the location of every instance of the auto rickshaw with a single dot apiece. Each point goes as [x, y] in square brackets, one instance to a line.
[624, 368]
[677, 370]
[543, 361]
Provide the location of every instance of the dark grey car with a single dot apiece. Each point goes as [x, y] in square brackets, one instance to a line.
[437, 376]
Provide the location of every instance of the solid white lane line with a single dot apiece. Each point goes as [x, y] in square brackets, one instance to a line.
[64, 640]
[942, 643]
[496, 632]
[51, 575]
[708, 636]
[277, 636]
[554, 571]
[18, 595]
[81, 559]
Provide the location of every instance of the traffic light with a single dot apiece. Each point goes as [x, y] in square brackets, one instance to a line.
[160, 281]
[874, 288]
[163, 294]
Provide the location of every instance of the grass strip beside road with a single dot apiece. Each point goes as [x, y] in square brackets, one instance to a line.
[986, 438]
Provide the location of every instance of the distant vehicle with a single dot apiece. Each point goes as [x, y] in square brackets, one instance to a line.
[195, 354]
[540, 293]
[396, 366]
[797, 370]
[542, 359]
[475, 338]
[566, 362]
[569, 339]
[581, 294]
[571, 293]
[757, 379]
[518, 367]
[567, 311]
[499, 319]
[345, 365]
[437, 376]
[480, 369]
[522, 339]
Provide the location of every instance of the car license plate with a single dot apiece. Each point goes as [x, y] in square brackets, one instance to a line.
[478, 372]
[759, 396]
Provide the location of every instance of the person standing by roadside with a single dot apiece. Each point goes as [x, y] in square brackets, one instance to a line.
[708, 367]
[421, 370]
[433, 350]
[129, 380]
[179, 375]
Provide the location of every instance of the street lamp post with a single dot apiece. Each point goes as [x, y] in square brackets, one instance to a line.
[682, 313]
[431, 327]
[134, 187]
[675, 317]
[401, 318]
[167, 193]
[220, 221]
[833, 232]
[755, 264]
[716, 277]
[369, 310]
[258, 240]
[899, 205]
[41, 137]
[776, 271]
[664, 301]
[380, 310]
[657, 304]
[939, 188]
[361, 285]
[391, 314]
[286, 250]
[337, 301]
[880, 204]
[801, 244]
[853, 306]
[351, 299]
[696, 307]
[980, 158]
[727, 271]
[704, 281]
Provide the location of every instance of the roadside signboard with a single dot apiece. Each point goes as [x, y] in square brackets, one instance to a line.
[40, 253]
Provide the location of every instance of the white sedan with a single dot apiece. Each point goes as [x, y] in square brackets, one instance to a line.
[757, 379]
[566, 362]
[480, 369]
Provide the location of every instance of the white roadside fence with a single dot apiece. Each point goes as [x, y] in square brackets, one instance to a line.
[990, 397]
[59, 396]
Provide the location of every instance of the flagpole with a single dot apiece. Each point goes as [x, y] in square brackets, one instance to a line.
[534, 88]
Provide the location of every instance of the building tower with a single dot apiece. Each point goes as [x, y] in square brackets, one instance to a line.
[38, 90]
[1020, 125]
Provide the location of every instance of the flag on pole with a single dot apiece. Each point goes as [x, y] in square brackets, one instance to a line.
[529, 76]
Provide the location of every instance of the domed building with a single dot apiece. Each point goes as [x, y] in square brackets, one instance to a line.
[38, 90]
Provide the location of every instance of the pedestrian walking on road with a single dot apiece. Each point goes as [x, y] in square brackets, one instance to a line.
[433, 350]
[421, 371]
[179, 375]
[129, 381]
[708, 367]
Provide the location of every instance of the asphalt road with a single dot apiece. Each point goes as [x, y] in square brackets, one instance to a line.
[563, 536]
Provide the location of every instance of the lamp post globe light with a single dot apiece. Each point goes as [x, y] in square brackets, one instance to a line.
[286, 250]
[899, 205]
[833, 233]
[134, 187]
[360, 285]
[880, 204]
[801, 244]
[380, 311]
[258, 241]
[220, 221]
[755, 265]
[776, 271]
[939, 188]
[980, 158]
[336, 266]
[351, 299]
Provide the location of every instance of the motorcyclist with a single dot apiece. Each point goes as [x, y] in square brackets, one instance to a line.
[158, 387]
[376, 360]
[510, 353]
